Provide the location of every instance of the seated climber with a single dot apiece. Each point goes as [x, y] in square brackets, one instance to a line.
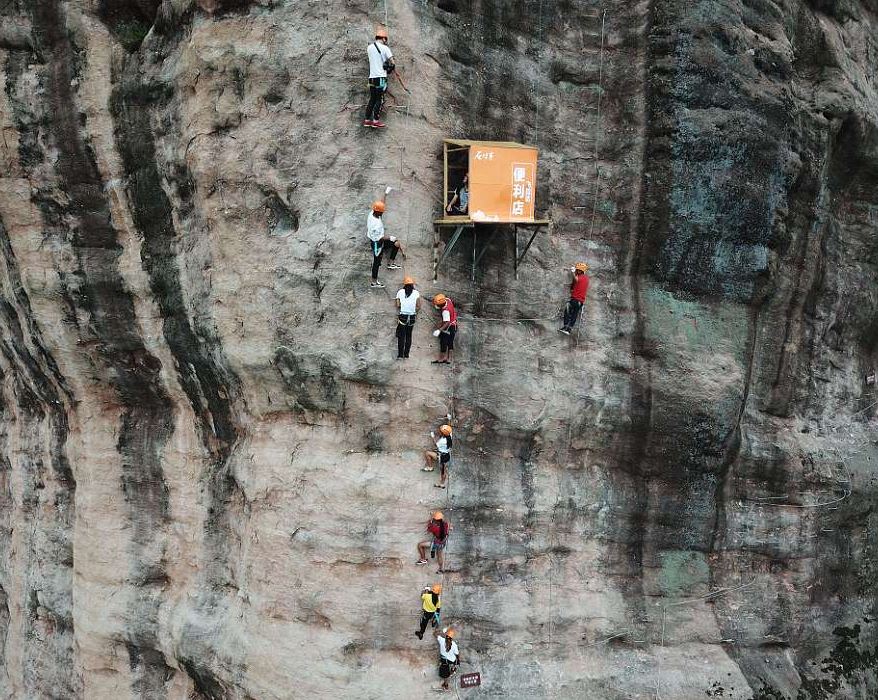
[408, 303]
[379, 241]
[431, 604]
[439, 529]
[449, 656]
[459, 204]
[441, 454]
[380, 65]
[578, 290]
[446, 329]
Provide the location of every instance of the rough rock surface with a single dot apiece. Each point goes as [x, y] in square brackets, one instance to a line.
[209, 457]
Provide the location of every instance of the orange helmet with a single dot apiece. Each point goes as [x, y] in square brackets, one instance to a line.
[380, 32]
[445, 430]
[439, 300]
[437, 588]
[450, 633]
[438, 515]
[407, 280]
[378, 205]
[581, 267]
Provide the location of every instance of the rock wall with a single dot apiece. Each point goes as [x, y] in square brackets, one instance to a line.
[209, 470]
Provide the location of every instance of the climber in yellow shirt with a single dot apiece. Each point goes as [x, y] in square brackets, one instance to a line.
[431, 603]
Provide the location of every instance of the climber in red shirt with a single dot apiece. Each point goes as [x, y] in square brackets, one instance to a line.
[578, 290]
[439, 529]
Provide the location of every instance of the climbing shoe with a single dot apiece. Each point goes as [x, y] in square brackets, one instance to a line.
[419, 635]
[394, 266]
[379, 125]
[376, 285]
[564, 331]
[368, 122]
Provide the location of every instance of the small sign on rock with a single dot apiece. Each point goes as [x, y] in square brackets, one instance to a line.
[470, 680]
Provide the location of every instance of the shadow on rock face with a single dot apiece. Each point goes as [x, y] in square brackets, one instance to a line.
[128, 20]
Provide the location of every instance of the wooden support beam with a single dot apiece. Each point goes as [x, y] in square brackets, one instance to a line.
[526, 248]
[516, 252]
[445, 181]
[474, 257]
[451, 243]
[485, 246]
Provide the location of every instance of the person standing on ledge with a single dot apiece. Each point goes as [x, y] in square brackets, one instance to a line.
[439, 529]
[449, 656]
[431, 604]
[578, 290]
[380, 66]
[446, 329]
[442, 454]
[408, 303]
[379, 242]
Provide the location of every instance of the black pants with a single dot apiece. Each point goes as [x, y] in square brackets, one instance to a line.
[377, 87]
[426, 619]
[446, 339]
[404, 326]
[378, 248]
[446, 668]
[571, 313]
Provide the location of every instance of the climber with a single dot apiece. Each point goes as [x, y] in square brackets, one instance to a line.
[449, 656]
[461, 198]
[442, 454]
[578, 290]
[439, 529]
[379, 242]
[380, 64]
[430, 604]
[408, 303]
[446, 329]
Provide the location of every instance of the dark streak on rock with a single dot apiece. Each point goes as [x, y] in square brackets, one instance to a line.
[210, 386]
[132, 372]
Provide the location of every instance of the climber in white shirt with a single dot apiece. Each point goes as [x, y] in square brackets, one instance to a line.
[379, 241]
[449, 656]
[408, 303]
[380, 65]
[442, 454]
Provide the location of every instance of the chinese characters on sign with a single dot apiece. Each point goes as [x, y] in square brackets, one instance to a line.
[502, 183]
[470, 680]
[522, 191]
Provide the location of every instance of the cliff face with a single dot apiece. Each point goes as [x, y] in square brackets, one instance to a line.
[209, 457]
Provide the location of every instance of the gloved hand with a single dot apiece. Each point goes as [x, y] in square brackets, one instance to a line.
[388, 189]
[436, 333]
[392, 239]
[572, 270]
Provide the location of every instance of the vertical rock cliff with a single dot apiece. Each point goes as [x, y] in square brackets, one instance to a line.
[210, 459]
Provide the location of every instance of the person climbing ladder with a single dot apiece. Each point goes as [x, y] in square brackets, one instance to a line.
[578, 290]
[431, 604]
[446, 329]
[380, 65]
[379, 241]
[408, 303]
[439, 529]
[442, 454]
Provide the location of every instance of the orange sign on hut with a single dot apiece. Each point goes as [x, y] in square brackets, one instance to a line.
[489, 186]
[490, 181]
